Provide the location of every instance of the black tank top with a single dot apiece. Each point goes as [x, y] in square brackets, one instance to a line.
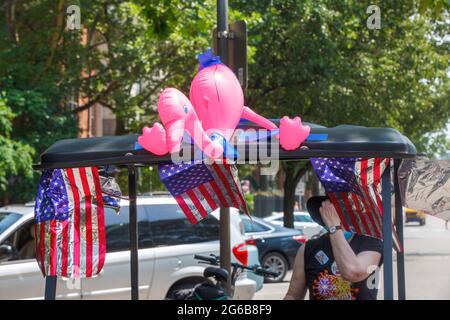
[322, 275]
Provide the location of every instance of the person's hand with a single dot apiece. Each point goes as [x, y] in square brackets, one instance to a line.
[329, 215]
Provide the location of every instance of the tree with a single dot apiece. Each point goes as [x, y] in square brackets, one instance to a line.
[318, 59]
[15, 156]
[34, 92]
[45, 67]
[148, 44]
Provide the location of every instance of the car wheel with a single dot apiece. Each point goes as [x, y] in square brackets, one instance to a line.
[275, 262]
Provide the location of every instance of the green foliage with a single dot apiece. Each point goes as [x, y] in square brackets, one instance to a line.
[152, 44]
[147, 179]
[36, 125]
[435, 8]
[34, 91]
[318, 59]
[15, 157]
[250, 200]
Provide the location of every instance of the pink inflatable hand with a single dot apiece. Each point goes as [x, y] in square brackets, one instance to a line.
[292, 133]
[154, 139]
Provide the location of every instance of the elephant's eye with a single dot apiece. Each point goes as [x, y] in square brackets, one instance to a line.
[185, 107]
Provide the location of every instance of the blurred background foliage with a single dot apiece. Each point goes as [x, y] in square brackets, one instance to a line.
[317, 59]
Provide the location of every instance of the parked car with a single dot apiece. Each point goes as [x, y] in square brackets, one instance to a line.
[253, 253]
[167, 244]
[412, 215]
[302, 221]
[277, 245]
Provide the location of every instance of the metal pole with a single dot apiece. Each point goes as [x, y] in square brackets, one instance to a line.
[222, 30]
[399, 227]
[50, 287]
[224, 232]
[387, 235]
[225, 245]
[134, 262]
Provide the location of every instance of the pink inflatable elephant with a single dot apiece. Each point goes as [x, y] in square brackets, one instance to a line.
[217, 106]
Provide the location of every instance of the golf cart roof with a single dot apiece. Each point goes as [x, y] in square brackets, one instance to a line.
[340, 141]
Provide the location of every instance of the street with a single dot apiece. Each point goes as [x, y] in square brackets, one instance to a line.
[427, 259]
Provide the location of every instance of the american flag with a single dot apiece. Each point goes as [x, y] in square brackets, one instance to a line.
[200, 188]
[354, 187]
[69, 223]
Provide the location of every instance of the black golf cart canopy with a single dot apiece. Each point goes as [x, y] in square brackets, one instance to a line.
[340, 141]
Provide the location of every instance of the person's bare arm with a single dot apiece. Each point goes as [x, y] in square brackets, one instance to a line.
[353, 268]
[297, 286]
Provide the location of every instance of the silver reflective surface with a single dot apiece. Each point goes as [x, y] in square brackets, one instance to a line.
[428, 186]
[111, 193]
[110, 187]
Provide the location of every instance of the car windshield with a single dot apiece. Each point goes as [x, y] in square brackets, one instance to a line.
[7, 219]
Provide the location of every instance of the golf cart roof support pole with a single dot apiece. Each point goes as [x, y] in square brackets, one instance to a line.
[225, 245]
[224, 231]
[387, 234]
[399, 228]
[50, 287]
[134, 262]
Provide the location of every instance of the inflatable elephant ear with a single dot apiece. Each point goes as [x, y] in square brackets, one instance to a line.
[177, 115]
[173, 107]
[216, 96]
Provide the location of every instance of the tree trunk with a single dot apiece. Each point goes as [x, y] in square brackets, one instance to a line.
[56, 33]
[120, 126]
[314, 185]
[294, 171]
[11, 14]
[263, 183]
[289, 201]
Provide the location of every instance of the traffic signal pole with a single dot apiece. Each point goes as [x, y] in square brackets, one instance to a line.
[222, 30]
[224, 232]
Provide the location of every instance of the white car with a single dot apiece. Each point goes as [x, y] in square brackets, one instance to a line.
[302, 221]
[167, 244]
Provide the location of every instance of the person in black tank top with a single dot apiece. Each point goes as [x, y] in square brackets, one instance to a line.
[338, 265]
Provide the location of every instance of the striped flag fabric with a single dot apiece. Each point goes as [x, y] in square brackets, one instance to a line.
[69, 223]
[354, 187]
[200, 188]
